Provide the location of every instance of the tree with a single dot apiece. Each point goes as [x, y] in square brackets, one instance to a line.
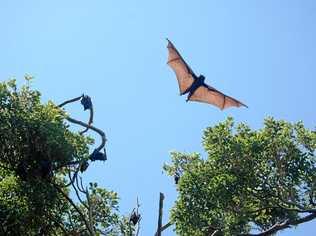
[40, 164]
[251, 183]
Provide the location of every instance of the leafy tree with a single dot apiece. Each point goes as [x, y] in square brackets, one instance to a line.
[40, 164]
[251, 183]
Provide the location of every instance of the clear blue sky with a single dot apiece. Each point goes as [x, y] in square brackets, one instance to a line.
[261, 52]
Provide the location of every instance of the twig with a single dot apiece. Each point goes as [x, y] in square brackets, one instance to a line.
[71, 179]
[60, 225]
[89, 210]
[138, 228]
[138, 223]
[215, 232]
[77, 192]
[81, 188]
[91, 231]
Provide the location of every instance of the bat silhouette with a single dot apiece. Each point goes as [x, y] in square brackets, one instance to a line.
[194, 85]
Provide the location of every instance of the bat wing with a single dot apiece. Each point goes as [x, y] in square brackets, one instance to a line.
[185, 75]
[212, 96]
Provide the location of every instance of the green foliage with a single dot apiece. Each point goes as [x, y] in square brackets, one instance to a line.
[36, 146]
[103, 212]
[249, 179]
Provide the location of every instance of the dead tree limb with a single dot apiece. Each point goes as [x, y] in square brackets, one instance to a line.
[100, 132]
[70, 101]
[161, 198]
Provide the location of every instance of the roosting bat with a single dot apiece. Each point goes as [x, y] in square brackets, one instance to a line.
[194, 85]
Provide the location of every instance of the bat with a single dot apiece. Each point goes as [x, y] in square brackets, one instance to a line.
[98, 156]
[194, 86]
[135, 217]
[86, 102]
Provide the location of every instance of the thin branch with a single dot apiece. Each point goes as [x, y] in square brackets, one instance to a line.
[100, 132]
[91, 111]
[70, 101]
[302, 210]
[89, 122]
[70, 163]
[60, 225]
[138, 228]
[215, 232]
[71, 179]
[81, 188]
[78, 194]
[90, 210]
[138, 223]
[284, 225]
[166, 226]
[91, 231]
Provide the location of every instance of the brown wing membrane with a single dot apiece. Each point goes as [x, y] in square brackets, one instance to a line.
[185, 75]
[215, 97]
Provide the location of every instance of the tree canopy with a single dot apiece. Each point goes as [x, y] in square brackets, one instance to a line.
[253, 182]
[41, 158]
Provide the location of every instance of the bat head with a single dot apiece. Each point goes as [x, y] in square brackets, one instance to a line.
[202, 78]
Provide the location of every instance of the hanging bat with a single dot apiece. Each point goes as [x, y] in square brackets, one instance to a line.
[194, 85]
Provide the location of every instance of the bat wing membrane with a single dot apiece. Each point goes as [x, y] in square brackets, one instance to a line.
[184, 74]
[212, 96]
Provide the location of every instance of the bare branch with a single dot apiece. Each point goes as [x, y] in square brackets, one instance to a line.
[91, 231]
[138, 223]
[89, 209]
[81, 188]
[138, 228]
[100, 132]
[215, 232]
[161, 198]
[70, 101]
[77, 193]
[70, 163]
[89, 122]
[284, 225]
[91, 111]
[166, 226]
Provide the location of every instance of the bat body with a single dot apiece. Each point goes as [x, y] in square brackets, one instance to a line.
[197, 82]
[194, 86]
